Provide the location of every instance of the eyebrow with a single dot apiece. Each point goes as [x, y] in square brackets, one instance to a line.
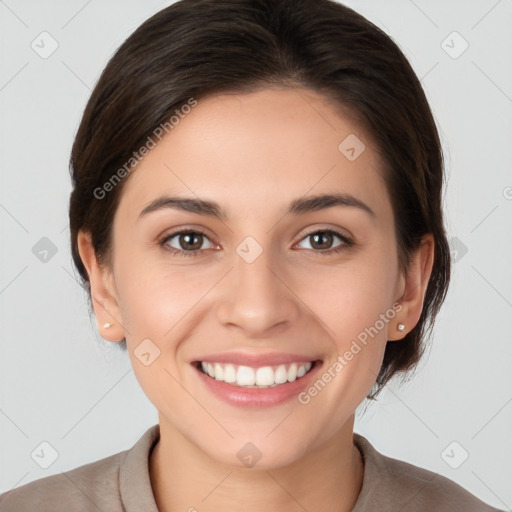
[297, 207]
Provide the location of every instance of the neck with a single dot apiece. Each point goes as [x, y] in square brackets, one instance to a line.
[185, 478]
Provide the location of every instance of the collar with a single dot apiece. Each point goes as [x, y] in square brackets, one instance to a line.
[134, 481]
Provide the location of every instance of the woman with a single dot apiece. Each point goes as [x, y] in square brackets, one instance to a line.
[256, 215]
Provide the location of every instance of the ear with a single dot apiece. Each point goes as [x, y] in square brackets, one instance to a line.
[412, 288]
[104, 299]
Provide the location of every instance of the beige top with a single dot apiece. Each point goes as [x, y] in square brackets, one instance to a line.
[121, 483]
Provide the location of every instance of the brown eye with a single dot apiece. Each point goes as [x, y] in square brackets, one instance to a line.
[186, 243]
[190, 241]
[321, 241]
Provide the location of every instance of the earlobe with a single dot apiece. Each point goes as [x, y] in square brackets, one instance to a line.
[415, 287]
[104, 301]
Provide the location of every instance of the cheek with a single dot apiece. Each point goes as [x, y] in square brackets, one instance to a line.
[352, 297]
[154, 294]
[356, 311]
[355, 304]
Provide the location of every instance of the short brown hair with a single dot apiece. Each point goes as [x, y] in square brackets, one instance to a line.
[196, 48]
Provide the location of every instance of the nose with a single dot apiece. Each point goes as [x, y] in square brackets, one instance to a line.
[257, 298]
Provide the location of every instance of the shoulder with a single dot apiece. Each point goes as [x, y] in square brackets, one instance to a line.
[392, 483]
[93, 486]
[116, 483]
[431, 491]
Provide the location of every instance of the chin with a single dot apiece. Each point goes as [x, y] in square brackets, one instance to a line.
[258, 454]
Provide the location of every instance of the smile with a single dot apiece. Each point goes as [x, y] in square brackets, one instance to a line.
[260, 377]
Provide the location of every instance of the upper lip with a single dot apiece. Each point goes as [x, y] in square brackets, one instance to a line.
[256, 360]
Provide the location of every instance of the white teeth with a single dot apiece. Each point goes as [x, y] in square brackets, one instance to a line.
[292, 372]
[245, 376]
[219, 371]
[263, 377]
[229, 373]
[281, 375]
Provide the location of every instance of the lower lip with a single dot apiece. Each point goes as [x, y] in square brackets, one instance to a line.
[258, 397]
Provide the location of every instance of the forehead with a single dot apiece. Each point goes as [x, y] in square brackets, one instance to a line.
[258, 149]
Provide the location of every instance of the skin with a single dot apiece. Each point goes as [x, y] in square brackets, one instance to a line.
[253, 154]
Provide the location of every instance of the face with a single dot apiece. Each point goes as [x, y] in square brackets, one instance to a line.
[262, 286]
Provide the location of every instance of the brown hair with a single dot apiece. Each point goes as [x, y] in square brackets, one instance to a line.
[196, 48]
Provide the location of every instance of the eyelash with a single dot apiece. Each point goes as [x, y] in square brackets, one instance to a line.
[347, 243]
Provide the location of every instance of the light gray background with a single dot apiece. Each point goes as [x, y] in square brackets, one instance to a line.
[61, 383]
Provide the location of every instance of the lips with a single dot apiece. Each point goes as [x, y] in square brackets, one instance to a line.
[245, 379]
[242, 393]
